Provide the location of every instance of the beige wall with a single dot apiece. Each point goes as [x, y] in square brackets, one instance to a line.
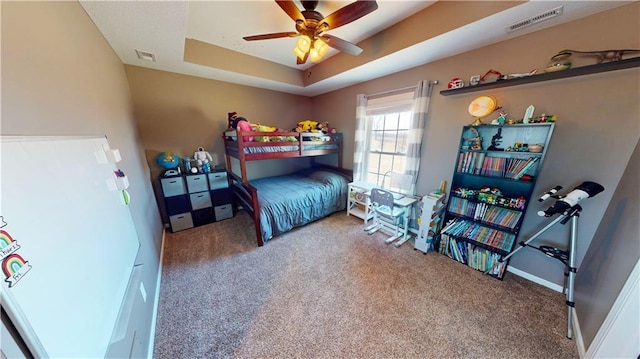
[179, 113]
[597, 114]
[613, 253]
[60, 77]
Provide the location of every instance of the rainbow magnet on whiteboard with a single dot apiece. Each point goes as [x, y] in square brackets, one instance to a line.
[7, 244]
[14, 268]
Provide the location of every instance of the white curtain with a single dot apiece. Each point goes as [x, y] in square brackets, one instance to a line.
[419, 106]
[360, 142]
[421, 97]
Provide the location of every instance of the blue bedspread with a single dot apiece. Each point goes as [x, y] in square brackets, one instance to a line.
[294, 200]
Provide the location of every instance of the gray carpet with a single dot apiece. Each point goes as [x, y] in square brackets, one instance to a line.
[329, 290]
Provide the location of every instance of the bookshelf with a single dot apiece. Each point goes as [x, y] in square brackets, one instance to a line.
[492, 185]
[430, 221]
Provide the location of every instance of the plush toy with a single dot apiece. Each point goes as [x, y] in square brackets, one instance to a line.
[202, 159]
[265, 128]
[307, 126]
[241, 124]
[324, 128]
[231, 117]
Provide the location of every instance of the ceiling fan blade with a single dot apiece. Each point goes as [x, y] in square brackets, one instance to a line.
[271, 36]
[342, 45]
[349, 13]
[291, 9]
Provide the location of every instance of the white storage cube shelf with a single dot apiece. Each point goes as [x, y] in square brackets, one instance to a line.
[204, 197]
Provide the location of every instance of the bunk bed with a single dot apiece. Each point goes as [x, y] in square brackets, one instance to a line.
[278, 204]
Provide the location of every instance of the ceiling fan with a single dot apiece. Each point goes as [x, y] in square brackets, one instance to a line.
[312, 25]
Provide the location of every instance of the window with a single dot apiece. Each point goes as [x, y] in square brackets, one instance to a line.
[388, 126]
[388, 136]
[388, 145]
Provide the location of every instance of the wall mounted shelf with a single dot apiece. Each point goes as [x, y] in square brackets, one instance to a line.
[572, 72]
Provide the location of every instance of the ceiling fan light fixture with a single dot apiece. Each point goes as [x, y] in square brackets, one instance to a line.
[302, 47]
[299, 54]
[304, 43]
[319, 49]
[311, 24]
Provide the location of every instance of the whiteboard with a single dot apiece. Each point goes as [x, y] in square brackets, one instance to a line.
[75, 238]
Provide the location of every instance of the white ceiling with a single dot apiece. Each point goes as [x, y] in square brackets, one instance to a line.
[161, 27]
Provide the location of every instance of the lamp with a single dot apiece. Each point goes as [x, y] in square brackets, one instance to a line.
[319, 49]
[303, 45]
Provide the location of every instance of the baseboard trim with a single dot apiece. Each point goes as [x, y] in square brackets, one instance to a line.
[154, 318]
[531, 277]
[577, 334]
[575, 326]
[617, 330]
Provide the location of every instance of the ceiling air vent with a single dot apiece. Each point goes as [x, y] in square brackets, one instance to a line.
[146, 56]
[535, 19]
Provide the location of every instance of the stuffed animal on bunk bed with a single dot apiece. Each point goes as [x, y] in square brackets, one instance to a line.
[264, 128]
[315, 127]
[307, 126]
[324, 128]
[240, 124]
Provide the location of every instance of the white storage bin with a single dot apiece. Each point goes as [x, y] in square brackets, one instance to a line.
[218, 180]
[223, 212]
[181, 221]
[173, 186]
[197, 183]
[200, 200]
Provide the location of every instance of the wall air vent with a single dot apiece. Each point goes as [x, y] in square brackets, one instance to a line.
[146, 56]
[535, 19]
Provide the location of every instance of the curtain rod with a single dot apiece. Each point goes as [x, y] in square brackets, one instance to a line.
[390, 92]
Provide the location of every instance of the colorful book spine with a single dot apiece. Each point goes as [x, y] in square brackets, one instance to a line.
[526, 167]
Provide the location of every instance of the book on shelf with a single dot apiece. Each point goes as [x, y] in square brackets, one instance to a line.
[475, 232]
[525, 168]
[478, 163]
[493, 166]
[515, 165]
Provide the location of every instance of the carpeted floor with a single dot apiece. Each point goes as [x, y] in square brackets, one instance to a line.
[329, 290]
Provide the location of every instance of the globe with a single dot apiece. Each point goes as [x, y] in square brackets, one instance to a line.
[168, 160]
[482, 106]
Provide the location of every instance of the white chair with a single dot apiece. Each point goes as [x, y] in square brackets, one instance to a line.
[386, 216]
